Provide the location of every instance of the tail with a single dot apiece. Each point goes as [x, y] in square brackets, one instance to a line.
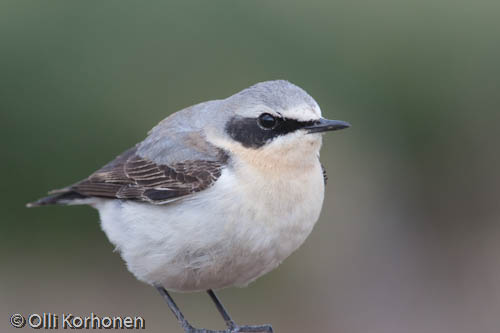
[60, 197]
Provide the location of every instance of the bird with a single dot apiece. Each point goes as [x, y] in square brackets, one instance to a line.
[217, 195]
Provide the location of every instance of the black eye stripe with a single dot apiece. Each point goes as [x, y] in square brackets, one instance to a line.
[290, 125]
[249, 133]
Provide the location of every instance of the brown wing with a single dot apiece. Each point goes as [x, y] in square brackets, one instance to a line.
[133, 177]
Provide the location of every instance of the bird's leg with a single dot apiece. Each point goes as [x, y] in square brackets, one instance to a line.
[233, 328]
[229, 322]
[174, 308]
[178, 314]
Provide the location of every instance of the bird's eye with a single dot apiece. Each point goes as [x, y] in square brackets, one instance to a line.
[267, 121]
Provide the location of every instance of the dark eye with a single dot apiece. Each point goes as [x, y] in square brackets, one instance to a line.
[267, 121]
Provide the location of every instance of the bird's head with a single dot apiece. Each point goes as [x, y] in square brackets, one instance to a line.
[273, 123]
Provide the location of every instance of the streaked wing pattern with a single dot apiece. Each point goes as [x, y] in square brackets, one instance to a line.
[133, 177]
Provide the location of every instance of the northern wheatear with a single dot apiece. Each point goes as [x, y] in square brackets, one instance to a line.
[217, 195]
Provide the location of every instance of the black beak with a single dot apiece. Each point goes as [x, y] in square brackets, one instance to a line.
[323, 125]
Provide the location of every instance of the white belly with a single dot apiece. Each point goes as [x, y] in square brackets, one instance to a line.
[226, 235]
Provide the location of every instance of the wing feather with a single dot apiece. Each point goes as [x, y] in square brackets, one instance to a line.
[132, 177]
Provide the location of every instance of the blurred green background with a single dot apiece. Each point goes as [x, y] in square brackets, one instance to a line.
[409, 237]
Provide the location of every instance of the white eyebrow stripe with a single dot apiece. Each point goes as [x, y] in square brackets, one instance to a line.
[303, 113]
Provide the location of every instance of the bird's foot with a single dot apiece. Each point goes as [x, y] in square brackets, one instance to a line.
[235, 329]
[252, 328]
[190, 329]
